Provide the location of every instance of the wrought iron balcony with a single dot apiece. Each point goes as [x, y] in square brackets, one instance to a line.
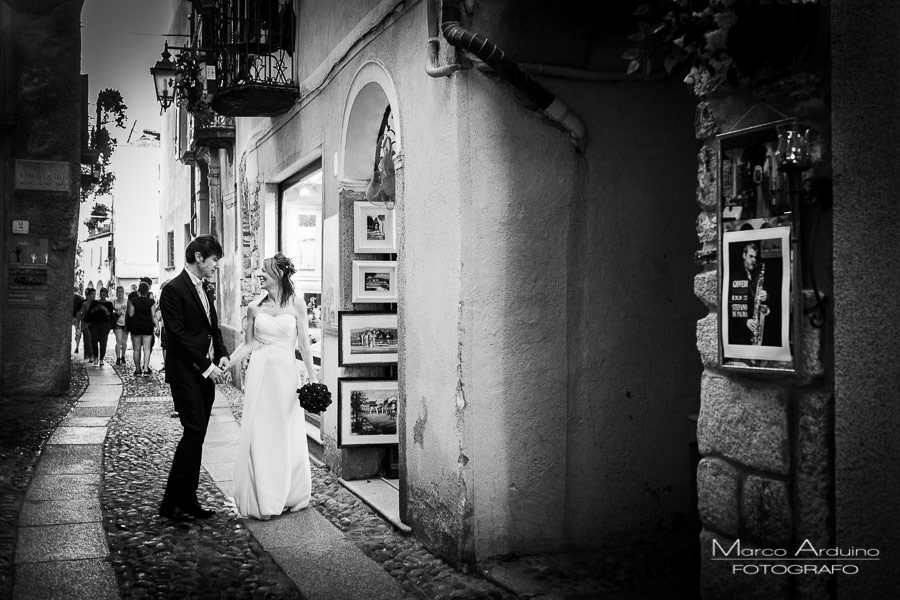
[254, 47]
[212, 130]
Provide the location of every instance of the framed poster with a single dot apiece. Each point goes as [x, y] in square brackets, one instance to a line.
[756, 295]
[375, 281]
[367, 411]
[373, 229]
[758, 253]
[367, 338]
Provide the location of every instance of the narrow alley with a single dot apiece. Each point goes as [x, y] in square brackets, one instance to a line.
[86, 500]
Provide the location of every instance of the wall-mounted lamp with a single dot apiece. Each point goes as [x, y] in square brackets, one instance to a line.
[794, 157]
[793, 152]
[382, 186]
[164, 79]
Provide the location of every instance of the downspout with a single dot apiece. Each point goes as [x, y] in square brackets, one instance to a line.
[497, 59]
[433, 66]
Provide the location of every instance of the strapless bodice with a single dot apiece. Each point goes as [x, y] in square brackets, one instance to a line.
[275, 330]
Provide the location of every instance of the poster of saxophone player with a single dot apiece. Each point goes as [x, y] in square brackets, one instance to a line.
[755, 317]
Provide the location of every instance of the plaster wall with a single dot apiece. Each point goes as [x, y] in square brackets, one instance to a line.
[535, 286]
[321, 25]
[866, 244]
[47, 126]
[633, 373]
[174, 200]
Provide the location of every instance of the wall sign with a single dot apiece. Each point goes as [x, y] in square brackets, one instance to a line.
[27, 258]
[758, 254]
[44, 175]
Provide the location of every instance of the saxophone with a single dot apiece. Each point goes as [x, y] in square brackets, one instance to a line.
[760, 310]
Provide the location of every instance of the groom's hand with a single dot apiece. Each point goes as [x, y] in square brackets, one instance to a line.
[218, 375]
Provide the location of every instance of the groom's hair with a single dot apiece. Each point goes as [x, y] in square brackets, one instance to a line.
[206, 245]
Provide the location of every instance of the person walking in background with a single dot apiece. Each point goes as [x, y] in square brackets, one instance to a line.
[196, 360]
[271, 472]
[120, 304]
[142, 322]
[89, 296]
[76, 317]
[99, 317]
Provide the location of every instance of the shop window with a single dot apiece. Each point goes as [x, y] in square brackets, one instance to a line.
[300, 238]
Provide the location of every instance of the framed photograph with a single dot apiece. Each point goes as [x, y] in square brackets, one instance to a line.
[367, 411]
[375, 281]
[367, 338]
[373, 229]
[758, 254]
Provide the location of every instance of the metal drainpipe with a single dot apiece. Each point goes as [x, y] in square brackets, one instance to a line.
[493, 56]
[432, 66]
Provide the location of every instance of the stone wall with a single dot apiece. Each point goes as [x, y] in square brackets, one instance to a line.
[45, 88]
[766, 477]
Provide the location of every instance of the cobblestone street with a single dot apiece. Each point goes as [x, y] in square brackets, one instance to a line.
[220, 558]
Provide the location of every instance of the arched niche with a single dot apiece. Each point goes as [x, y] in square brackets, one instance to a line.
[370, 93]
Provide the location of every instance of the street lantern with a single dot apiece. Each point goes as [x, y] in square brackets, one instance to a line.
[164, 79]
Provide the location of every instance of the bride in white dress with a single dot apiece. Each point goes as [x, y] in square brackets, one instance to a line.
[271, 472]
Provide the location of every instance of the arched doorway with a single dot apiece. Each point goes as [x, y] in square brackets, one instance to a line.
[370, 233]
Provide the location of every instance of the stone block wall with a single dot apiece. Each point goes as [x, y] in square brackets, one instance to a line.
[767, 440]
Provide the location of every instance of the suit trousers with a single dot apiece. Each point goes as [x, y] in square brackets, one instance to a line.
[193, 400]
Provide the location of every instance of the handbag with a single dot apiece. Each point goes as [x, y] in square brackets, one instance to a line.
[314, 397]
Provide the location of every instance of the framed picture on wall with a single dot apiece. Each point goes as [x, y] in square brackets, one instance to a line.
[756, 295]
[373, 229]
[367, 338]
[367, 411]
[375, 281]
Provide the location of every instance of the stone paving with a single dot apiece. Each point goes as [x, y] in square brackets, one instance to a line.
[26, 424]
[219, 558]
[145, 548]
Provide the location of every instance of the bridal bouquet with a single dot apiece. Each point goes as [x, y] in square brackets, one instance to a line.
[314, 397]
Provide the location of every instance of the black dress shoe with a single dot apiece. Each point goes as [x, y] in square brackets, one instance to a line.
[197, 511]
[174, 513]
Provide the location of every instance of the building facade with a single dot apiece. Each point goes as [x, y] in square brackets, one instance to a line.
[41, 138]
[558, 329]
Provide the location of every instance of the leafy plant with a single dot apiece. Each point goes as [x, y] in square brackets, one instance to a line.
[102, 215]
[189, 88]
[110, 110]
[722, 41]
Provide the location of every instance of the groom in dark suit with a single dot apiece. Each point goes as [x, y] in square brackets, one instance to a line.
[195, 361]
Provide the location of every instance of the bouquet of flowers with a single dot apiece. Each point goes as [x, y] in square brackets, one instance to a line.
[314, 397]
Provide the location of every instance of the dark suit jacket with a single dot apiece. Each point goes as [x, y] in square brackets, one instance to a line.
[188, 331]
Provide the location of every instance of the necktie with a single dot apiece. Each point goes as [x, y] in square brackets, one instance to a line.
[205, 301]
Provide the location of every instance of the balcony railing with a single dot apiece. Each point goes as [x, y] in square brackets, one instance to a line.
[254, 47]
[212, 130]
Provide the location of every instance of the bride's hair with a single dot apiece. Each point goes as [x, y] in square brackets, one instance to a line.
[281, 268]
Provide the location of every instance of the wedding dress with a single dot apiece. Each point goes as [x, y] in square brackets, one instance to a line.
[272, 470]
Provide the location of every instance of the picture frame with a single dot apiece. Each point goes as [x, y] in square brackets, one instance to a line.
[758, 254]
[367, 411]
[757, 295]
[375, 281]
[367, 338]
[374, 229]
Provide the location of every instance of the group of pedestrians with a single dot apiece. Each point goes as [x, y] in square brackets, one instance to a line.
[136, 315]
